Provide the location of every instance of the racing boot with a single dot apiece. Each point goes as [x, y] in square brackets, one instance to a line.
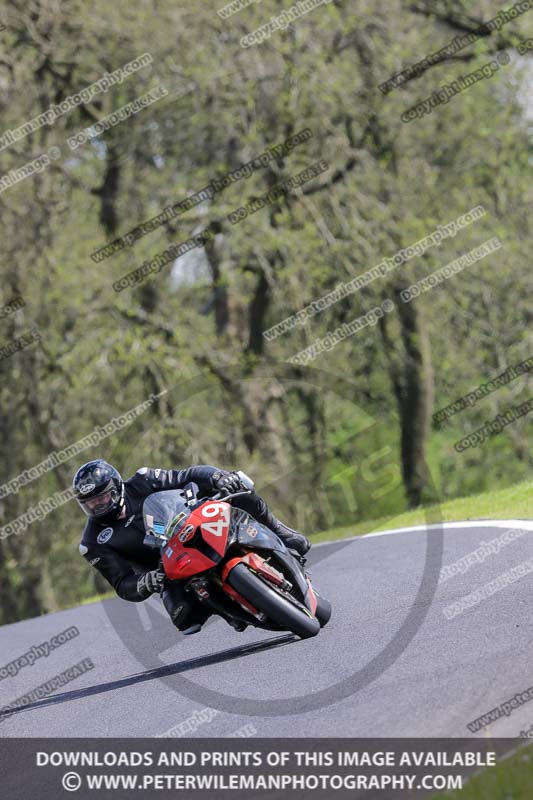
[290, 538]
[192, 629]
[256, 506]
[186, 613]
[236, 624]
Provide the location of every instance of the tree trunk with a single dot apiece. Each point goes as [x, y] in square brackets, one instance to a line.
[412, 380]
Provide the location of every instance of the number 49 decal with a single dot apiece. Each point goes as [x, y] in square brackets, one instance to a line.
[217, 527]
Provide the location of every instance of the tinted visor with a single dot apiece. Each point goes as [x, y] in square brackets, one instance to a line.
[100, 504]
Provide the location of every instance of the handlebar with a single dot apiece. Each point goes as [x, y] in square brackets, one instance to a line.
[222, 495]
[246, 481]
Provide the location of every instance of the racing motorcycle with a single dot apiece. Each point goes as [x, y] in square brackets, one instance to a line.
[234, 565]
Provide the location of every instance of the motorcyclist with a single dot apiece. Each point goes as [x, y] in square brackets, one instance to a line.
[112, 539]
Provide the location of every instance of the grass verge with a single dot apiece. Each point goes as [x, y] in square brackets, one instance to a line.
[512, 779]
[515, 502]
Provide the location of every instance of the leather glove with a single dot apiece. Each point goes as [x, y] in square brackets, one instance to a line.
[151, 582]
[228, 482]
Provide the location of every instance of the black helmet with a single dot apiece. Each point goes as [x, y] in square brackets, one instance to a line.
[99, 489]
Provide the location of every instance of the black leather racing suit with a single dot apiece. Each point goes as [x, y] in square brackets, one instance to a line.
[117, 551]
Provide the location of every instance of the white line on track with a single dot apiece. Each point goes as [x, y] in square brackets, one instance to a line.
[526, 524]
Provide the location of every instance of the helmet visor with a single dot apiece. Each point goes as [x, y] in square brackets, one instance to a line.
[100, 504]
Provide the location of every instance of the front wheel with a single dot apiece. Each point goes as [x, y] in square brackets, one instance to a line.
[323, 609]
[272, 603]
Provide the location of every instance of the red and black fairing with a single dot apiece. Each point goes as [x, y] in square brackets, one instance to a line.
[199, 542]
[206, 542]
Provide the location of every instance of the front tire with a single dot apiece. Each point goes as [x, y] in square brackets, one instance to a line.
[271, 603]
[323, 610]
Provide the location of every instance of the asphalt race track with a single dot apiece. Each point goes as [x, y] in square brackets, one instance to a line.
[390, 663]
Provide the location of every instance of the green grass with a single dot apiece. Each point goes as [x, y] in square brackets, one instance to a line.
[97, 598]
[512, 779]
[513, 503]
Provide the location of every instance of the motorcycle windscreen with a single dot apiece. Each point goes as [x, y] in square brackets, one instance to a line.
[252, 534]
[164, 511]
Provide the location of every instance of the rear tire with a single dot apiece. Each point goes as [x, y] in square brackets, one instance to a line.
[276, 607]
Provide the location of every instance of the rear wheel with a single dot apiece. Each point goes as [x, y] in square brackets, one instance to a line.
[272, 603]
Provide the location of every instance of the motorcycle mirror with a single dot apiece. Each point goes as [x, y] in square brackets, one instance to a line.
[245, 479]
